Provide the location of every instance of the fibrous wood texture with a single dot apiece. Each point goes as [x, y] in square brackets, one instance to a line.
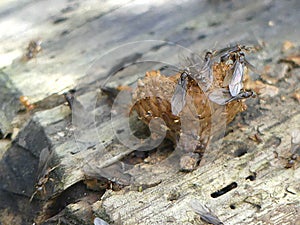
[247, 177]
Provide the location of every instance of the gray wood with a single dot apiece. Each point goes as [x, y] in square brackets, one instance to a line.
[84, 44]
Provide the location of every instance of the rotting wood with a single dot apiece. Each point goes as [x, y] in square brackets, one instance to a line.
[71, 45]
[250, 202]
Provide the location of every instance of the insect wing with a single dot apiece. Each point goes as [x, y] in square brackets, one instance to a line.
[98, 221]
[204, 77]
[207, 75]
[207, 81]
[236, 83]
[295, 141]
[116, 172]
[219, 96]
[251, 67]
[225, 52]
[205, 213]
[43, 162]
[178, 98]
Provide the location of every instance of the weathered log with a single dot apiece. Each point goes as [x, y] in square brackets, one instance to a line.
[73, 37]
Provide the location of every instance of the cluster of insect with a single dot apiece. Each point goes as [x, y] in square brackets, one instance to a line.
[202, 73]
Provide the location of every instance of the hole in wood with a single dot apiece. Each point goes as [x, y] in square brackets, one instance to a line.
[224, 190]
[232, 206]
[240, 152]
[251, 177]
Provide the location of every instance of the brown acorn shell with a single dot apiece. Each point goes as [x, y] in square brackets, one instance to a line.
[153, 96]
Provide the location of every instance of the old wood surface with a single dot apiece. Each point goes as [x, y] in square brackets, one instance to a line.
[86, 43]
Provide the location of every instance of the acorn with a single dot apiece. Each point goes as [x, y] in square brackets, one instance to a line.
[201, 118]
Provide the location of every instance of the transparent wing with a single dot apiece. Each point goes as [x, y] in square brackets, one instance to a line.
[295, 141]
[207, 79]
[251, 67]
[43, 161]
[116, 172]
[219, 96]
[205, 213]
[178, 99]
[98, 221]
[204, 75]
[236, 83]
